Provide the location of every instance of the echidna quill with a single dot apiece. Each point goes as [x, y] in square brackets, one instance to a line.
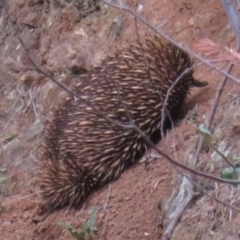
[81, 150]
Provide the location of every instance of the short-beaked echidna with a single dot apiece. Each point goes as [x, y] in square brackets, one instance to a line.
[83, 151]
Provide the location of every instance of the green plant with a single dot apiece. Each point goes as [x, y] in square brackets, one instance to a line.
[87, 230]
[231, 172]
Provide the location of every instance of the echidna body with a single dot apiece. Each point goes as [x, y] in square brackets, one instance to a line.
[83, 151]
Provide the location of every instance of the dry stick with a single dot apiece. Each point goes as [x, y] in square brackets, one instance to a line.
[227, 75]
[178, 212]
[227, 204]
[146, 139]
[180, 209]
[187, 198]
[161, 33]
[184, 196]
[164, 111]
[164, 108]
[217, 98]
[129, 116]
[126, 126]
[145, 60]
[168, 232]
[120, 97]
[146, 64]
[212, 113]
[38, 69]
[117, 123]
[233, 14]
[140, 44]
[188, 186]
[105, 207]
[231, 8]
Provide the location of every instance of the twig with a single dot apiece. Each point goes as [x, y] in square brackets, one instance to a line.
[179, 204]
[33, 104]
[131, 125]
[209, 143]
[185, 195]
[105, 207]
[161, 33]
[213, 111]
[164, 108]
[232, 9]
[38, 69]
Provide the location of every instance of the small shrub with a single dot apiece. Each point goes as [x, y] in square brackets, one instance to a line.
[87, 230]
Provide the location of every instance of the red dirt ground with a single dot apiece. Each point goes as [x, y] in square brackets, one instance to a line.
[57, 40]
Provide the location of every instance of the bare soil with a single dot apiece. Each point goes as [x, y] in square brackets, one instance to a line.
[58, 40]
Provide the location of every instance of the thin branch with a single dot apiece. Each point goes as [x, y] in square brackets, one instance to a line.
[164, 108]
[105, 208]
[213, 110]
[39, 70]
[161, 33]
[183, 198]
[117, 123]
[232, 9]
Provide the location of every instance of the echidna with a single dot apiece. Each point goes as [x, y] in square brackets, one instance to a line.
[83, 151]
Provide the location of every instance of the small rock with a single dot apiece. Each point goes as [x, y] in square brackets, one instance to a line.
[11, 95]
[191, 21]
